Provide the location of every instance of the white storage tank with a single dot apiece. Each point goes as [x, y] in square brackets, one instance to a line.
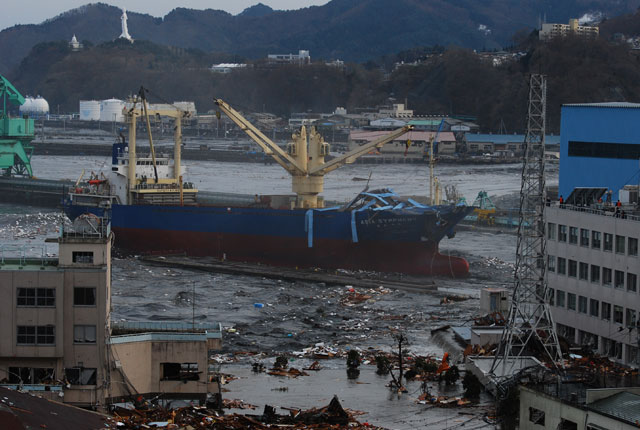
[35, 107]
[111, 110]
[186, 107]
[89, 110]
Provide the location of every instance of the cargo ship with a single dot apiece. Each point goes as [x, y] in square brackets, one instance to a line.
[152, 210]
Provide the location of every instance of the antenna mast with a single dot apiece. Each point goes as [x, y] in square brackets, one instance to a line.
[530, 327]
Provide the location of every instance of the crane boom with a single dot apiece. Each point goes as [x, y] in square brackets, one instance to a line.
[267, 145]
[146, 117]
[350, 156]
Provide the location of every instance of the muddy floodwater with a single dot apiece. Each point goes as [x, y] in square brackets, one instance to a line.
[291, 316]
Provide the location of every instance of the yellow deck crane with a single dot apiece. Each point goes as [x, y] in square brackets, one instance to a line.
[305, 157]
[163, 186]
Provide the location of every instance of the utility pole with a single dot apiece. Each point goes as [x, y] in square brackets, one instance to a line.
[530, 324]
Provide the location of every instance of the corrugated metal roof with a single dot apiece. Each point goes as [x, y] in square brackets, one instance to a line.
[507, 138]
[624, 105]
[445, 136]
[624, 406]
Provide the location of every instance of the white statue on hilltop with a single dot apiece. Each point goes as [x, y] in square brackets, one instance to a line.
[125, 31]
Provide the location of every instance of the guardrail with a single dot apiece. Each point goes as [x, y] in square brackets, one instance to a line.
[601, 212]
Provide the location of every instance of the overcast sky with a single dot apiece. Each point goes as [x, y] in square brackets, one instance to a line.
[36, 11]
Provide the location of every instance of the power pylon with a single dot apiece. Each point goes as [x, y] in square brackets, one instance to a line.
[530, 329]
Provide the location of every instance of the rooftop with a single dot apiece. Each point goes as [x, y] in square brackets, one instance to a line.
[624, 406]
[619, 105]
[33, 412]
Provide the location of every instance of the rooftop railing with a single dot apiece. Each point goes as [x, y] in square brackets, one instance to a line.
[601, 210]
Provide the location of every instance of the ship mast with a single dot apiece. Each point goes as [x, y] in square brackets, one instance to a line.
[305, 158]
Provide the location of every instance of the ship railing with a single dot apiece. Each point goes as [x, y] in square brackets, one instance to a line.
[601, 212]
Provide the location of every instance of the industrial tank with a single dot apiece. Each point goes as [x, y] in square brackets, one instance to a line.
[89, 110]
[35, 107]
[111, 110]
[186, 107]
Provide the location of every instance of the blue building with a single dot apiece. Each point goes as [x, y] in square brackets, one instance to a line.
[599, 146]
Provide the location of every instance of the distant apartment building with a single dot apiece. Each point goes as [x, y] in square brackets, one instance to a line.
[396, 110]
[550, 31]
[56, 338]
[301, 58]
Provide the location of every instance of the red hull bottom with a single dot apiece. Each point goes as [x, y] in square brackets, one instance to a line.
[420, 258]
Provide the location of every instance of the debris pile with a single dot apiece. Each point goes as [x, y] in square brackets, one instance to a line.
[331, 417]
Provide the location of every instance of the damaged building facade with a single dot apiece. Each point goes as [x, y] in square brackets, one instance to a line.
[56, 337]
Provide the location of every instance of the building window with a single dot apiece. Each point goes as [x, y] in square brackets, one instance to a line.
[606, 276]
[84, 334]
[567, 425]
[632, 355]
[36, 335]
[81, 375]
[31, 375]
[562, 233]
[560, 298]
[551, 231]
[180, 371]
[618, 314]
[551, 296]
[84, 296]
[573, 235]
[567, 332]
[604, 150]
[594, 308]
[608, 242]
[596, 239]
[82, 257]
[632, 282]
[631, 318]
[584, 271]
[42, 297]
[573, 268]
[584, 237]
[619, 279]
[536, 416]
[582, 304]
[595, 274]
[620, 240]
[571, 302]
[551, 263]
[562, 266]
[632, 249]
[606, 311]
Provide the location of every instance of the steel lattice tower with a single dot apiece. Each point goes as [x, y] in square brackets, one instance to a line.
[530, 327]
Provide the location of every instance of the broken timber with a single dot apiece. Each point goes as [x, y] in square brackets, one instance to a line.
[287, 274]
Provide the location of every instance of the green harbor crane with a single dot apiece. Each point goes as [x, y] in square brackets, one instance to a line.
[16, 134]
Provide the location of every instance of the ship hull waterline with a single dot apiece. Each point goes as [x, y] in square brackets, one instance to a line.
[382, 241]
[420, 259]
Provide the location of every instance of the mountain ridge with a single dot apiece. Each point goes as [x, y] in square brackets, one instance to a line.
[341, 29]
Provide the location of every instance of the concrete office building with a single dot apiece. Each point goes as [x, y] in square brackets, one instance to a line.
[56, 337]
[577, 408]
[593, 269]
[592, 248]
[54, 320]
